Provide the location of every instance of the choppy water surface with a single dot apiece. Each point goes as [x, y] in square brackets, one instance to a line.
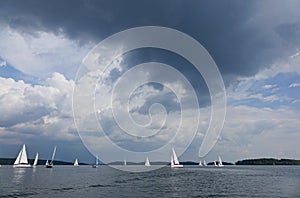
[85, 181]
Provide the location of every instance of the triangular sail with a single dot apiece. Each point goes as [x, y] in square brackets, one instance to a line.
[220, 161]
[47, 163]
[200, 163]
[175, 157]
[204, 163]
[53, 155]
[23, 158]
[125, 163]
[18, 158]
[36, 159]
[76, 162]
[147, 163]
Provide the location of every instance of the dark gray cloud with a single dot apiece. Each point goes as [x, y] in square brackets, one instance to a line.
[237, 39]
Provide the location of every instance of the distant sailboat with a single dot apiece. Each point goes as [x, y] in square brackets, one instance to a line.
[50, 164]
[36, 159]
[96, 163]
[21, 161]
[76, 162]
[215, 163]
[204, 163]
[200, 163]
[174, 160]
[220, 162]
[125, 163]
[147, 163]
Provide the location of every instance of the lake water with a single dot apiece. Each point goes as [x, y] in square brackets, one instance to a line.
[191, 181]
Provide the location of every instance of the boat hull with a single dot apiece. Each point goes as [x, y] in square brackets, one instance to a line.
[176, 166]
[22, 166]
[49, 166]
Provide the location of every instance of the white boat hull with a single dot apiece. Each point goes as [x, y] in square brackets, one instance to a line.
[176, 166]
[22, 166]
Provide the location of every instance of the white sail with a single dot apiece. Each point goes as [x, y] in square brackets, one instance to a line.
[36, 159]
[204, 163]
[22, 157]
[18, 158]
[125, 163]
[97, 161]
[76, 162]
[200, 163]
[172, 161]
[215, 164]
[220, 162]
[175, 157]
[54, 151]
[21, 160]
[147, 163]
[47, 163]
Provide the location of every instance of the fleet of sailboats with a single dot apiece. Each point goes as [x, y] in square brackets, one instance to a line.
[174, 160]
[22, 161]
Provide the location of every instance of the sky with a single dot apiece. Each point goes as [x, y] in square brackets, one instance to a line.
[255, 44]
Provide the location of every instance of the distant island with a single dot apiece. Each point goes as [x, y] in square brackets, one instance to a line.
[260, 161]
[268, 161]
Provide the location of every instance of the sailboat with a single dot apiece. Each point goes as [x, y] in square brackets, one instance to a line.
[125, 163]
[50, 164]
[200, 163]
[204, 163]
[147, 163]
[174, 160]
[76, 162]
[36, 159]
[21, 161]
[96, 163]
[220, 162]
[215, 164]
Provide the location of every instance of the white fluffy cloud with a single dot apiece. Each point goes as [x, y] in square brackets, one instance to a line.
[2, 63]
[42, 53]
[282, 66]
[294, 85]
[251, 132]
[39, 110]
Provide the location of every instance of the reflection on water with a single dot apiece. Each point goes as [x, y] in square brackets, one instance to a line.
[19, 175]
